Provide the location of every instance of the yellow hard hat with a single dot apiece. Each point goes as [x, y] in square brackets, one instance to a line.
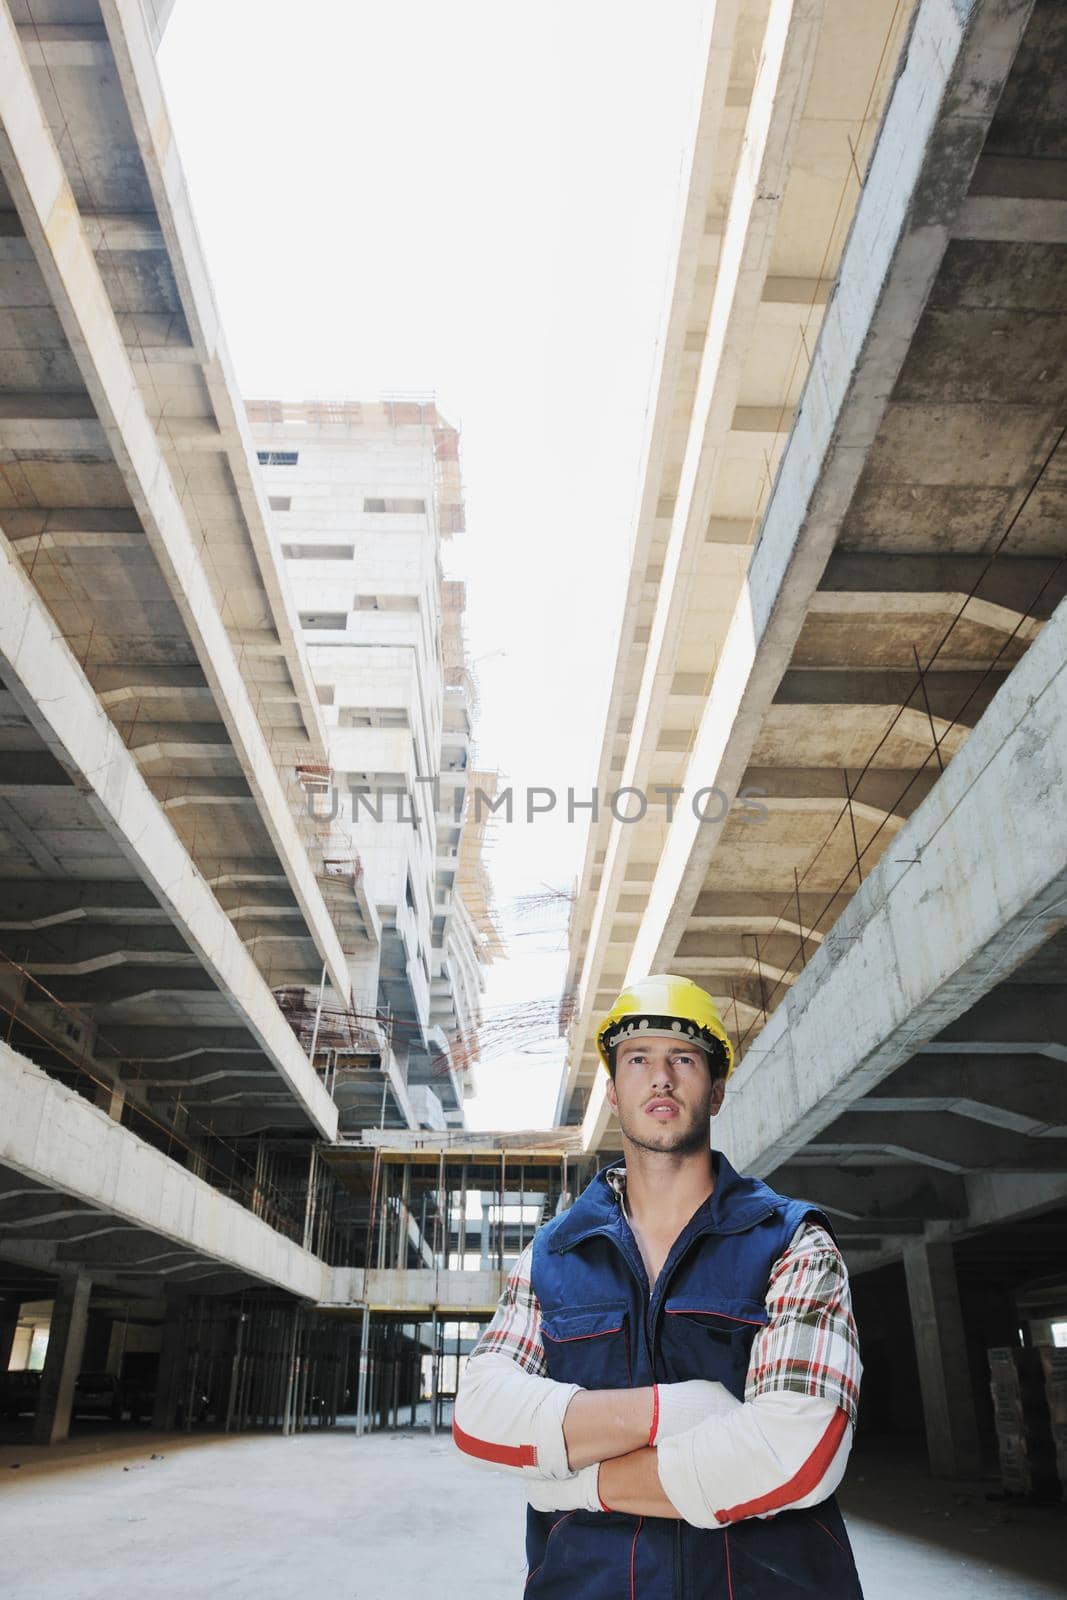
[666, 1006]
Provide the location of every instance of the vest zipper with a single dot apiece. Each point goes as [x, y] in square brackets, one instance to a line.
[680, 1576]
[680, 1585]
[679, 1571]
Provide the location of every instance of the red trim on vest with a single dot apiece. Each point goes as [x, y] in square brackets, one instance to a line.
[551, 1531]
[655, 1416]
[801, 1483]
[505, 1455]
[829, 1535]
[633, 1558]
[708, 1311]
[729, 1574]
[576, 1338]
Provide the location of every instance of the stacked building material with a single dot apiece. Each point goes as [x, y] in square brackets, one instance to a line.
[1054, 1363]
[1021, 1414]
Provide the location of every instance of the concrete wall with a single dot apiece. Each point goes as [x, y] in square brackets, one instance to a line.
[55, 1138]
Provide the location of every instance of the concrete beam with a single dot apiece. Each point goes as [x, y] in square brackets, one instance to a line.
[149, 1050]
[958, 58]
[32, 528]
[34, 847]
[756, 430]
[1035, 1025]
[730, 530]
[63, 45]
[132, 38]
[52, 1136]
[1024, 1094]
[33, 171]
[56, 698]
[877, 1194]
[22, 771]
[772, 126]
[112, 230]
[951, 1144]
[413, 1290]
[54, 438]
[82, 947]
[804, 293]
[126, 1247]
[976, 883]
[760, 909]
[1018, 586]
[994, 1197]
[216, 1069]
[879, 792]
[728, 951]
[27, 1215]
[225, 1121]
[1011, 221]
[954, 697]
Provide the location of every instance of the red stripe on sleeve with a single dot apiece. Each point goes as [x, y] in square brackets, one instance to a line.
[505, 1455]
[654, 1429]
[801, 1483]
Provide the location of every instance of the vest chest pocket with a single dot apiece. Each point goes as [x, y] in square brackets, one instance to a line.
[590, 1347]
[709, 1336]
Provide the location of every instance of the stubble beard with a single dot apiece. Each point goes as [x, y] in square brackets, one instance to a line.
[686, 1142]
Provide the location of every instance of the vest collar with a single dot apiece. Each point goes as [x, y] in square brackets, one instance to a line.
[736, 1204]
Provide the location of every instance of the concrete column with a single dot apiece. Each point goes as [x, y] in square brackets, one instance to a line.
[364, 1364]
[9, 1321]
[165, 1406]
[62, 1363]
[292, 1362]
[435, 1374]
[941, 1351]
[111, 1097]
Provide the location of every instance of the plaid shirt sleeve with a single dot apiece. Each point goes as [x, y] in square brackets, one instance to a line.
[810, 1345]
[515, 1330]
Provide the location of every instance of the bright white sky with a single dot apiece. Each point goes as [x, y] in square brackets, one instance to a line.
[481, 200]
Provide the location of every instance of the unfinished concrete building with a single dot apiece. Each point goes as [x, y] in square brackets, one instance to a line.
[362, 497]
[846, 605]
[207, 985]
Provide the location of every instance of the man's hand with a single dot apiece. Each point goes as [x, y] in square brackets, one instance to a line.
[677, 1407]
[601, 1424]
[577, 1493]
[631, 1484]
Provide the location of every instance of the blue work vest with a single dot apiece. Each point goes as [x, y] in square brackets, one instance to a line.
[602, 1329]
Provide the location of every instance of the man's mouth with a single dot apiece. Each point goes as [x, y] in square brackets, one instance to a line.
[663, 1110]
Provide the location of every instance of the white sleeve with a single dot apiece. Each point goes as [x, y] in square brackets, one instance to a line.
[512, 1419]
[777, 1452]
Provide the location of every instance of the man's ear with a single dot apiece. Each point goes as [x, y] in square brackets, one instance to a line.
[612, 1096]
[718, 1092]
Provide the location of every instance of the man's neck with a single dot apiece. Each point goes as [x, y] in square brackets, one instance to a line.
[663, 1190]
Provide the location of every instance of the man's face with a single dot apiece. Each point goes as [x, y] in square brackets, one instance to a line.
[663, 1095]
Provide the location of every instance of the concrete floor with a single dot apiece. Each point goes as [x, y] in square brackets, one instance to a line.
[398, 1516]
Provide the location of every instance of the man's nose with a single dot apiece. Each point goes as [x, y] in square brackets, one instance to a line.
[663, 1075]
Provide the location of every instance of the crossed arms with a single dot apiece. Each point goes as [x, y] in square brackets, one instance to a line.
[684, 1450]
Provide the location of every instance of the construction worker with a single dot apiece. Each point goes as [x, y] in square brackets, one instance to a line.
[673, 1366]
